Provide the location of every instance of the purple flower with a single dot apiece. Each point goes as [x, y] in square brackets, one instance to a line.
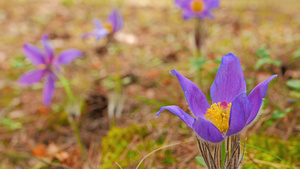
[114, 24]
[231, 110]
[46, 66]
[197, 8]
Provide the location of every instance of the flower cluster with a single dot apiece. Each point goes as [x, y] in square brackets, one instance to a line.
[197, 8]
[232, 109]
[46, 66]
[114, 24]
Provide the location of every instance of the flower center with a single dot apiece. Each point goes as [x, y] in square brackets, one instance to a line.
[109, 27]
[41, 66]
[197, 6]
[218, 114]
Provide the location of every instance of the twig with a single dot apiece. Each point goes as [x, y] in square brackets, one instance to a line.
[275, 165]
[14, 103]
[265, 151]
[241, 160]
[254, 162]
[118, 165]
[158, 150]
[52, 164]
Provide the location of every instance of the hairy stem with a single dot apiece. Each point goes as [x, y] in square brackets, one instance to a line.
[66, 86]
[199, 37]
[71, 118]
[78, 138]
[211, 153]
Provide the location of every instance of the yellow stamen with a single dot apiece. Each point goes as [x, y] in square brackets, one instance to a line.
[218, 114]
[197, 5]
[41, 66]
[109, 27]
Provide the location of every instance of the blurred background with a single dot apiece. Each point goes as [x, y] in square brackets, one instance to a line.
[265, 35]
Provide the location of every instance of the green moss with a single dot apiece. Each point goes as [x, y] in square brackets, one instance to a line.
[168, 158]
[114, 146]
[287, 150]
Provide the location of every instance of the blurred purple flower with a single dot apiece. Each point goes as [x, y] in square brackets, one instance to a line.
[46, 66]
[232, 110]
[114, 24]
[197, 8]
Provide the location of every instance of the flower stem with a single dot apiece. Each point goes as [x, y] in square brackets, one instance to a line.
[116, 98]
[233, 158]
[199, 37]
[78, 138]
[71, 114]
[67, 87]
[223, 152]
[118, 79]
[211, 153]
[199, 43]
[119, 86]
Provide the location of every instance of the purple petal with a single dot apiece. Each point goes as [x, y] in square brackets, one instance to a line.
[178, 3]
[195, 98]
[101, 33]
[49, 89]
[239, 114]
[67, 56]
[256, 98]
[211, 4]
[98, 33]
[207, 131]
[86, 35]
[97, 24]
[48, 48]
[33, 54]
[183, 4]
[116, 20]
[32, 77]
[209, 15]
[229, 81]
[188, 14]
[180, 113]
[205, 14]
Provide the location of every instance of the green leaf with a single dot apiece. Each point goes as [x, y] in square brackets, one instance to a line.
[16, 64]
[294, 84]
[200, 161]
[266, 60]
[295, 94]
[288, 110]
[218, 60]
[277, 62]
[263, 52]
[278, 114]
[11, 124]
[297, 54]
[151, 101]
[197, 63]
[126, 80]
[262, 62]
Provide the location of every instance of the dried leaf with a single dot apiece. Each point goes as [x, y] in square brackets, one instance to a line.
[39, 150]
